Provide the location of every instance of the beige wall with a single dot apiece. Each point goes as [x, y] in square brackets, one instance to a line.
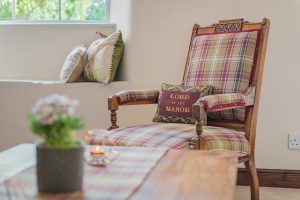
[38, 51]
[157, 34]
[17, 99]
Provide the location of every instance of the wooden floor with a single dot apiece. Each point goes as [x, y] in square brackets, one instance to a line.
[243, 193]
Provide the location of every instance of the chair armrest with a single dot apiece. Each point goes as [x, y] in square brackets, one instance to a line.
[213, 103]
[218, 102]
[129, 97]
[135, 97]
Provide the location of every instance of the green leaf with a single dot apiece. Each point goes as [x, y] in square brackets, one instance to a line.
[58, 134]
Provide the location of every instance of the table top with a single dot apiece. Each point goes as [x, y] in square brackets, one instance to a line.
[209, 175]
[180, 174]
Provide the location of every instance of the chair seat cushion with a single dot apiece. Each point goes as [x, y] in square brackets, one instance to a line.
[177, 136]
[228, 141]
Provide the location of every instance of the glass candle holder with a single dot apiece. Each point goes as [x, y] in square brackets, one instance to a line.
[98, 155]
[99, 151]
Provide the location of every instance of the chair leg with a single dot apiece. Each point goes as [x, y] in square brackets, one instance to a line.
[194, 143]
[254, 183]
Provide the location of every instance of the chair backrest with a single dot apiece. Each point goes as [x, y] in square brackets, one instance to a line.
[228, 55]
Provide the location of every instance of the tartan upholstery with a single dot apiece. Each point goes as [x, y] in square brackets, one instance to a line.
[225, 61]
[132, 96]
[236, 114]
[222, 101]
[230, 141]
[174, 136]
[222, 60]
[169, 135]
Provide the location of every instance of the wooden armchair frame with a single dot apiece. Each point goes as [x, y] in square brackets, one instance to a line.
[249, 126]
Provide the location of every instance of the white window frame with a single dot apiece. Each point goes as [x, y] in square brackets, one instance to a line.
[59, 21]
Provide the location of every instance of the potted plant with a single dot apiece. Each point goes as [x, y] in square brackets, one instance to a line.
[59, 156]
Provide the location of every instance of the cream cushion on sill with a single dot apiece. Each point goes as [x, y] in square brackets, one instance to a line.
[104, 56]
[74, 65]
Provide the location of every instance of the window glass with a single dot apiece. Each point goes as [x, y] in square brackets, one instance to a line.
[5, 9]
[51, 10]
[37, 9]
[83, 9]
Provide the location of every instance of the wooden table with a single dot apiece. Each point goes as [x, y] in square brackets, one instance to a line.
[180, 174]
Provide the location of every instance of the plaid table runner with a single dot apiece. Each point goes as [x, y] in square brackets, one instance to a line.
[118, 180]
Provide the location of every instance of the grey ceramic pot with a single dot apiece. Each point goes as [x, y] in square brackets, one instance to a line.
[59, 170]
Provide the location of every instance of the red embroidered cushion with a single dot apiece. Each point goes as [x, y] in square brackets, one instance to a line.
[175, 103]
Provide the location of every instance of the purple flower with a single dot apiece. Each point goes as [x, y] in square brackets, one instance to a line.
[53, 107]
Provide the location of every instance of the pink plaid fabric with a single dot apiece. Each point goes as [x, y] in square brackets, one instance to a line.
[169, 135]
[224, 61]
[118, 180]
[219, 102]
[132, 96]
[236, 114]
[236, 142]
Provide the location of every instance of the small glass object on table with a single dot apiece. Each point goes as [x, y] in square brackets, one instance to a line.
[99, 154]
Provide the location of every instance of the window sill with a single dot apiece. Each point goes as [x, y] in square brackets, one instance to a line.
[13, 23]
[114, 84]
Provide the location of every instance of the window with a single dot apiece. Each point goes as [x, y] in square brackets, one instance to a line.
[54, 10]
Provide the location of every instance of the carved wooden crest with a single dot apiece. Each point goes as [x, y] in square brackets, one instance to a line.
[223, 28]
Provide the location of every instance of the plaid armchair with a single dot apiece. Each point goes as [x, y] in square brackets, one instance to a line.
[230, 56]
